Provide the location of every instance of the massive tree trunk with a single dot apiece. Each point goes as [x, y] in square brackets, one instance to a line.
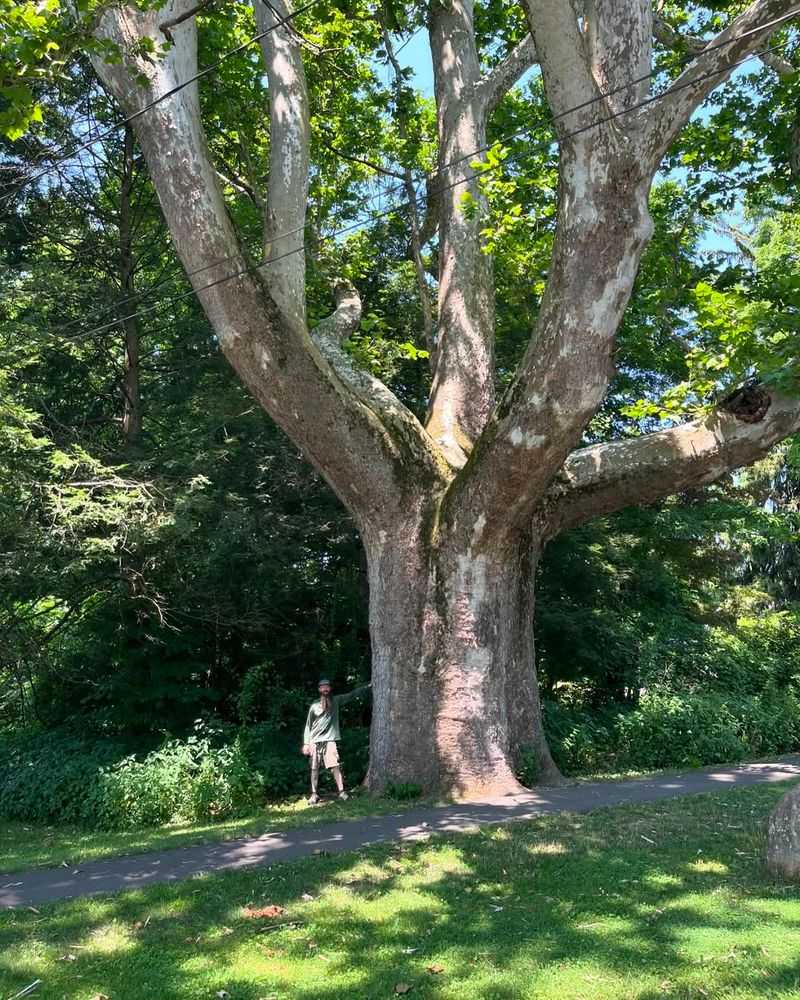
[454, 515]
[454, 683]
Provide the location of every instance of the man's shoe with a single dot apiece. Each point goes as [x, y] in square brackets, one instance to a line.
[344, 796]
[313, 800]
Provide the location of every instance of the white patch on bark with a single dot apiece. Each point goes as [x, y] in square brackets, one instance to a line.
[527, 439]
[478, 658]
[471, 579]
[477, 529]
[602, 312]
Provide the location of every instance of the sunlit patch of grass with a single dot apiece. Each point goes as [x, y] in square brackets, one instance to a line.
[687, 913]
[708, 866]
[548, 847]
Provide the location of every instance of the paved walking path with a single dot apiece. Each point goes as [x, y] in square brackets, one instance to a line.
[137, 871]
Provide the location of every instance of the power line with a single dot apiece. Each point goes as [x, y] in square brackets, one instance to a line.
[375, 217]
[603, 95]
[162, 97]
[768, 26]
[410, 38]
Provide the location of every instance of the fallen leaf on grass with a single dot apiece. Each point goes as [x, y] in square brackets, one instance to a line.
[402, 988]
[69, 957]
[263, 912]
[435, 969]
[409, 951]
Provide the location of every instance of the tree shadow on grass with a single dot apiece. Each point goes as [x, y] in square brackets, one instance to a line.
[550, 909]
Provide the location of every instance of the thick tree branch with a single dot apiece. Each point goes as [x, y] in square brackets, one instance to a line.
[562, 54]
[332, 333]
[462, 395]
[619, 39]
[502, 77]
[603, 227]
[664, 119]
[608, 477]
[290, 137]
[360, 449]
[670, 37]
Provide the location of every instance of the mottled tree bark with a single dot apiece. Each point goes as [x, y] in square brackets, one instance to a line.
[454, 682]
[454, 515]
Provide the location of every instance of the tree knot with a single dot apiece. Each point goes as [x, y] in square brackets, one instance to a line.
[748, 403]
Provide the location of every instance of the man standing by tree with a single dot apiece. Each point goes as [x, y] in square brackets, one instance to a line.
[322, 733]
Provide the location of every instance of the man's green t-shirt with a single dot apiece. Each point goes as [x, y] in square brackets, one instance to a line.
[323, 726]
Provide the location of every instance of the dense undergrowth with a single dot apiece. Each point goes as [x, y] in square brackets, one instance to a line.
[63, 776]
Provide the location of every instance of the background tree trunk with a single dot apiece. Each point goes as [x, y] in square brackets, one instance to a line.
[131, 401]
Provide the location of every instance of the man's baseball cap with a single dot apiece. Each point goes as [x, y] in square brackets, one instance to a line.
[324, 680]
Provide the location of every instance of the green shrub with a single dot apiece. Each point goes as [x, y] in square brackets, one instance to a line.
[671, 730]
[183, 780]
[60, 777]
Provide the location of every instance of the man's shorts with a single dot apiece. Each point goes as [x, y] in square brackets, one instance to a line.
[326, 754]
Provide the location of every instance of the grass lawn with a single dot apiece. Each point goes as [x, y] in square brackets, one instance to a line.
[663, 901]
[29, 845]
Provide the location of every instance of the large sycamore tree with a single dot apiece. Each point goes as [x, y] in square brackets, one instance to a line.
[454, 510]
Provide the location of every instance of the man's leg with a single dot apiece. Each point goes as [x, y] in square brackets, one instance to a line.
[314, 797]
[332, 760]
